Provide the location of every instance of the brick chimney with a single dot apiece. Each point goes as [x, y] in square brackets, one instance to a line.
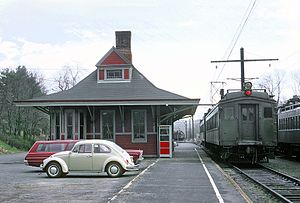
[123, 43]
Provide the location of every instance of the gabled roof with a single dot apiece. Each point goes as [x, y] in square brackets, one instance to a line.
[113, 55]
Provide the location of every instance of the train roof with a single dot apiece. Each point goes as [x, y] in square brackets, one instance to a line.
[235, 94]
[238, 95]
[288, 107]
[292, 103]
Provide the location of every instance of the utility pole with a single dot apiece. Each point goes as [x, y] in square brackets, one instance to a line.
[242, 60]
[242, 68]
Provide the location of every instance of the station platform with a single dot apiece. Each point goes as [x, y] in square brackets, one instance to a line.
[183, 178]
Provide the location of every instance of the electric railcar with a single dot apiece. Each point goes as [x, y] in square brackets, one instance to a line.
[289, 128]
[241, 127]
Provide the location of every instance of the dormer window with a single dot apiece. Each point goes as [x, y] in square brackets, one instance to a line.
[115, 66]
[114, 74]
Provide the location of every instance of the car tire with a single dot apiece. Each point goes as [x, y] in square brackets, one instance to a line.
[54, 170]
[114, 169]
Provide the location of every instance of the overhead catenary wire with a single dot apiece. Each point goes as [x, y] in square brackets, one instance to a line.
[237, 34]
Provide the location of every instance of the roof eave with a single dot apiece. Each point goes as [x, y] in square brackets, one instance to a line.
[32, 103]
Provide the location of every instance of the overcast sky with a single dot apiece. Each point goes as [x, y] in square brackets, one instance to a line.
[173, 41]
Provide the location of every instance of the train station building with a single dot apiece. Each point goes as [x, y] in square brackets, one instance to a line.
[115, 102]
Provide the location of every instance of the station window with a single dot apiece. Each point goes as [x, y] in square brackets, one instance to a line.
[139, 126]
[57, 125]
[268, 112]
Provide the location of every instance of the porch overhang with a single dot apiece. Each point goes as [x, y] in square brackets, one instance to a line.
[55, 103]
[173, 108]
[177, 112]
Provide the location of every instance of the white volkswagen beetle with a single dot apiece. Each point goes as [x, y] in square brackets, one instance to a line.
[92, 156]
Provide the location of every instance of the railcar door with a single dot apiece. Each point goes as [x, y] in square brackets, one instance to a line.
[248, 122]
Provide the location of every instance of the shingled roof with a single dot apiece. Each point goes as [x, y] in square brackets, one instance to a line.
[139, 91]
[90, 92]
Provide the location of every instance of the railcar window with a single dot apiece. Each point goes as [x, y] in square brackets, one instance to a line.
[251, 114]
[228, 113]
[289, 123]
[244, 114]
[213, 122]
[268, 112]
[248, 113]
[280, 124]
[202, 128]
[293, 123]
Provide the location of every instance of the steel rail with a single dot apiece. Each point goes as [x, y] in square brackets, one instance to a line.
[282, 174]
[276, 194]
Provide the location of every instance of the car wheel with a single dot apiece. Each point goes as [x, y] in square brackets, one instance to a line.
[54, 170]
[114, 169]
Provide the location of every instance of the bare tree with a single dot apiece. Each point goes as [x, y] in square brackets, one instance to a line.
[66, 79]
[273, 83]
[295, 76]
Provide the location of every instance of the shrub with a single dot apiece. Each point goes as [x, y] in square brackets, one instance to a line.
[19, 142]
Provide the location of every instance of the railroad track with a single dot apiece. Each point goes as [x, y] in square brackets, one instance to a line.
[285, 188]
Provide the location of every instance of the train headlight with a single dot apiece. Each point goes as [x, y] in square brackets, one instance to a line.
[247, 87]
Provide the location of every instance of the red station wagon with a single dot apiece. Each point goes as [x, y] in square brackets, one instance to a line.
[41, 150]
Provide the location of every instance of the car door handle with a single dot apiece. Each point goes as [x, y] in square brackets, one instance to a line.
[89, 156]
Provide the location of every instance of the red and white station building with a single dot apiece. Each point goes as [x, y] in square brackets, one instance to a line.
[116, 102]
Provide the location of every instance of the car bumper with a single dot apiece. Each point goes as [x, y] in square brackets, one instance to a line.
[26, 163]
[42, 167]
[132, 167]
[140, 159]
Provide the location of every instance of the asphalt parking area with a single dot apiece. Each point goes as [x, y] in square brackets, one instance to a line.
[20, 183]
[180, 179]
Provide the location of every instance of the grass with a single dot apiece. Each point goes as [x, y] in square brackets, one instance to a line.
[6, 149]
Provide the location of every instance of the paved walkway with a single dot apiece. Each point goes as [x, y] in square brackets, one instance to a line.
[180, 179]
